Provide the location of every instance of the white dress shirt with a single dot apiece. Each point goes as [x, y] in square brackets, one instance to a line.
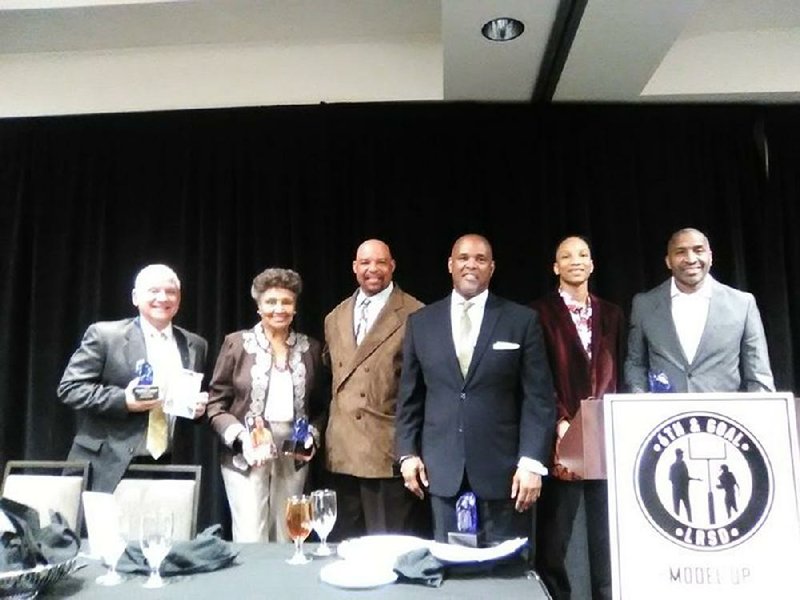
[280, 397]
[475, 316]
[165, 358]
[689, 313]
[375, 306]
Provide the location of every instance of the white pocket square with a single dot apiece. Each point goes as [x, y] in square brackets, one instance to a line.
[505, 346]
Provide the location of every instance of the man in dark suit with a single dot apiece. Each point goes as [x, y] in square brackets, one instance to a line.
[584, 339]
[364, 338]
[115, 428]
[476, 406]
[703, 336]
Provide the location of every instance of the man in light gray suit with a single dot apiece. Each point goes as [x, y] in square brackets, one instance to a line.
[702, 335]
[114, 427]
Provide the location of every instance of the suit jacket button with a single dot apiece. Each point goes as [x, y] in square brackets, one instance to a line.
[358, 417]
[363, 395]
[463, 396]
[689, 375]
[130, 450]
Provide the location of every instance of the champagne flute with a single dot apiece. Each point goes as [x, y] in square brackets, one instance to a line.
[323, 507]
[156, 541]
[298, 522]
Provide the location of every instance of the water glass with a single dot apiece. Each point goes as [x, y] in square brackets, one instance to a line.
[323, 510]
[156, 541]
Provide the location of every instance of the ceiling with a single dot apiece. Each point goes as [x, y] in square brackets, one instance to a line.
[76, 56]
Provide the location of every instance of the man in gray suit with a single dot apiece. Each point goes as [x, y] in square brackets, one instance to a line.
[99, 381]
[702, 335]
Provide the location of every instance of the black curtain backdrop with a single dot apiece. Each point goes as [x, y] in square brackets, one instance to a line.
[86, 201]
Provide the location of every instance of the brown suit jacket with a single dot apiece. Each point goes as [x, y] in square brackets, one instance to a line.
[575, 376]
[229, 393]
[359, 440]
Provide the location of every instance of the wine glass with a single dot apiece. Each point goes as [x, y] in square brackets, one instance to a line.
[156, 541]
[111, 550]
[298, 522]
[323, 509]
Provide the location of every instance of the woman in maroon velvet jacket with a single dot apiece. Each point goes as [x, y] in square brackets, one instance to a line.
[584, 339]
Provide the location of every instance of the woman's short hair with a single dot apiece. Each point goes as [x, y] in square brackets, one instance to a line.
[276, 278]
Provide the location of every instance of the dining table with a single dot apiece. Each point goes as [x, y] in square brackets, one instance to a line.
[261, 571]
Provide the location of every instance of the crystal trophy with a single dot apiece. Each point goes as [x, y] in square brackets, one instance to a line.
[659, 382]
[145, 390]
[468, 533]
[296, 445]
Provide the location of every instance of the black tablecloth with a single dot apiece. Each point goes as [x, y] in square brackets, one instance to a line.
[261, 571]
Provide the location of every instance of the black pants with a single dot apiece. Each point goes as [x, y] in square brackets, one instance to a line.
[497, 518]
[556, 510]
[369, 506]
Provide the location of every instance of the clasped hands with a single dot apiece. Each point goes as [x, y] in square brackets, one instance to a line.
[266, 449]
[525, 485]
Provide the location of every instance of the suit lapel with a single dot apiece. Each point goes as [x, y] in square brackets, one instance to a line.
[385, 325]
[565, 323]
[662, 313]
[186, 349]
[491, 314]
[135, 349]
[716, 310]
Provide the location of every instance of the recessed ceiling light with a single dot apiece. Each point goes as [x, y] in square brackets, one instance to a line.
[502, 29]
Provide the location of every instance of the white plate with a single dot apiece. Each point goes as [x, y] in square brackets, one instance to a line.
[380, 548]
[356, 575]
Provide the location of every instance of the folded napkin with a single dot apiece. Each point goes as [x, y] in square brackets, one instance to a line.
[24, 545]
[420, 566]
[207, 552]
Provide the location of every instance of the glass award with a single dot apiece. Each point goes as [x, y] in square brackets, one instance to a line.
[658, 382]
[145, 390]
[296, 445]
[469, 533]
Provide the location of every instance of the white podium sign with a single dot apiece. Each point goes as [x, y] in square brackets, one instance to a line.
[703, 495]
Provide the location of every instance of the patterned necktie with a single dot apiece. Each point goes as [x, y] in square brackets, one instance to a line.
[361, 329]
[157, 423]
[464, 345]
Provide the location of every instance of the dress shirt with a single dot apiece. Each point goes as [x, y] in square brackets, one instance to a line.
[280, 397]
[165, 358]
[581, 315]
[375, 306]
[475, 317]
[689, 313]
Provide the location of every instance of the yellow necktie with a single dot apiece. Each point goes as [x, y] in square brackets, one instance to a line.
[464, 346]
[157, 423]
[157, 432]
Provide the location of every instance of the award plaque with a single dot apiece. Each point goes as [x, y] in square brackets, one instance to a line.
[145, 390]
[296, 445]
[468, 533]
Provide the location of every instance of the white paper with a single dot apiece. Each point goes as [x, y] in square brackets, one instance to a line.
[102, 520]
[181, 397]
